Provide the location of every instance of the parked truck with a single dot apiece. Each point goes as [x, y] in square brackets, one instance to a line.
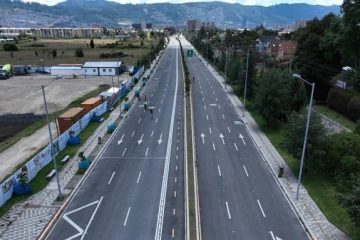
[5, 71]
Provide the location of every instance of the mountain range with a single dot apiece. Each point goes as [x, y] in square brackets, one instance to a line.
[85, 13]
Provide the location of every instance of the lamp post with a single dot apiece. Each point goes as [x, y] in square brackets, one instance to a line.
[51, 140]
[306, 132]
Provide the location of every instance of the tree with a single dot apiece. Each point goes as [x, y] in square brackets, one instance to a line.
[272, 96]
[298, 93]
[352, 202]
[294, 135]
[357, 129]
[10, 47]
[92, 45]
[54, 53]
[79, 52]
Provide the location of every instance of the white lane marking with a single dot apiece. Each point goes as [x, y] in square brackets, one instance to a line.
[203, 99]
[176, 168]
[219, 106]
[160, 139]
[77, 227]
[156, 120]
[138, 179]
[216, 99]
[204, 107]
[207, 117]
[222, 138]
[177, 156]
[214, 147]
[92, 218]
[139, 121]
[228, 129]
[245, 171]
[175, 194]
[223, 116]
[174, 211]
[152, 133]
[175, 179]
[112, 175]
[273, 236]
[141, 139]
[228, 211]
[160, 218]
[173, 233]
[242, 138]
[262, 211]
[123, 152]
[127, 215]
[203, 137]
[159, 109]
[236, 147]
[133, 134]
[121, 140]
[162, 101]
[147, 149]
[210, 130]
[219, 170]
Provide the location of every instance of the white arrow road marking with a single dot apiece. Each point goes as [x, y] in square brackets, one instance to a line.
[202, 136]
[262, 211]
[274, 237]
[121, 139]
[141, 139]
[81, 232]
[160, 139]
[228, 211]
[222, 138]
[242, 139]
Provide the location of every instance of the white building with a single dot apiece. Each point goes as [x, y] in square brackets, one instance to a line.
[108, 68]
[67, 71]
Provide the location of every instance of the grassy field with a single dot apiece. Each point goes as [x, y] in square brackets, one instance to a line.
[66, 51]
[321, 188]
[335, 116]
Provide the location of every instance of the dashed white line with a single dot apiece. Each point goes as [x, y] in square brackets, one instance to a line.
[219, 170]
[152, 133]
[223, 116]
[174, 211]
[207, 117]
[138, 179]
[245, 171]
[139, 121]
[123, 152]
[175, 179]
[112, 175]
[214, 147]
[210, 130]
[236, 147]
[219, 106]
[156, 120]
[147, 149]
[228, 129]
[127, 215]
[133, 134]
[228, 211]
[175, 194]
[262, 211]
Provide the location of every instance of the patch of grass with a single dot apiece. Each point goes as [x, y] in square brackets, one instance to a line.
[336, 117]
[321, 188]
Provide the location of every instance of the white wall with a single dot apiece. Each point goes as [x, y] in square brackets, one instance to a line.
[67, 72]
[107, 71]
[91, 71]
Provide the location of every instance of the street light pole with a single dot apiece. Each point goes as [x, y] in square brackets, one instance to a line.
[51, 142]
[306, 133]
[246, 78]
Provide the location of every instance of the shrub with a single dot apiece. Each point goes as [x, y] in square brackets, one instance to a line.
[353, 109]
[79, 52]
[343, 102]
[9, 47]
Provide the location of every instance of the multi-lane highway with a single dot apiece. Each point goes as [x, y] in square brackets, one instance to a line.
[136, 189]
[239, 198]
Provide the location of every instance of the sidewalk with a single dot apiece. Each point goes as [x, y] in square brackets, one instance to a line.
[306, 209]
[27, 219]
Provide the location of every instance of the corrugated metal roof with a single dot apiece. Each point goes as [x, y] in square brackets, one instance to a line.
[65, 68]
[72, 112]
[107, 64]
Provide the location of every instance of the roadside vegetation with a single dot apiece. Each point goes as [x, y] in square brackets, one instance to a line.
[278, 102]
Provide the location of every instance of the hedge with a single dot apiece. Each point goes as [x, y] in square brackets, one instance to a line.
[344, 103]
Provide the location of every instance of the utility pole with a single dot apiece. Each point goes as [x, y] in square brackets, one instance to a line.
[246, 78]
[51, 143]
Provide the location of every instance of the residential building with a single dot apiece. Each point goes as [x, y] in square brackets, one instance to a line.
[286, 50]
[263, 42]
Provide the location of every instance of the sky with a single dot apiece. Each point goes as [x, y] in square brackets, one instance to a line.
[245, 2]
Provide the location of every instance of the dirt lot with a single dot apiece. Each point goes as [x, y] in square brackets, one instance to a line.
[66, 51]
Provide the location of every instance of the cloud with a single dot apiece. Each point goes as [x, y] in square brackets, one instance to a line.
[245, 2]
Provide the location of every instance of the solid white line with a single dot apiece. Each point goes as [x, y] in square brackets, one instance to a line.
[236, 147]
[219, 170]
[123, 152]
[262, 211]
[228, 211]
[139, 121]
[147, 149]
[133, 134]
[127, 215]
[210, 130]
[229, 129]
[207, 117]
[245, 171]
[111, 178]
[92, 218]
[138, 179]
[152, 133]
[223, 116]
[214, 147]
[160, 218]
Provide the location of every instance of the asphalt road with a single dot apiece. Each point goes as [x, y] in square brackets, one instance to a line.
[239, 197]
[136, 189]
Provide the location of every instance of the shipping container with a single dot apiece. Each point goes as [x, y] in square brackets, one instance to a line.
[68, 118]
[91, 103]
